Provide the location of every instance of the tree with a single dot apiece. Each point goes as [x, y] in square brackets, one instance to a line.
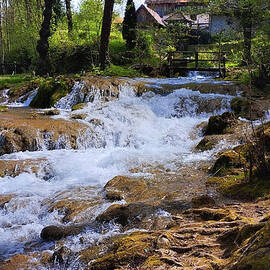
[105, 32]
[43, 66]
[69, 16]
[249, 14]
[129, 25]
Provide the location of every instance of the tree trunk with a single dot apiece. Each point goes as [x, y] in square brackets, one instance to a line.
[69, 16]
[247, 32]
[43, 66]
[105, 32]
[2, 41]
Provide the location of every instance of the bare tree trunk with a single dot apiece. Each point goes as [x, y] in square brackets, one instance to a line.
[43, 66]
[247, 33]
[105, 32]
[69, 16]
[2, 40]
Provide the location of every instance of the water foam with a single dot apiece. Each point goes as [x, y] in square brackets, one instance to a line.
[127, 132]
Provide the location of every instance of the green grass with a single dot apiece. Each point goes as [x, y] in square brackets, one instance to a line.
[7, 81]
[119, 71]
[235, 186]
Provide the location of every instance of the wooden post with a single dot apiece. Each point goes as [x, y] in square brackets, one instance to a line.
[224, 65]
[196, 59]
[170, 63]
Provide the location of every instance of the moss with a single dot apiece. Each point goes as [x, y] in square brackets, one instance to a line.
[235, 186]
[132, 250]
[3, 108]
[50, 91]
[219, 123]
[78, 106]
[227, 162]
[247, 108]
[205, 144]
[254, 254]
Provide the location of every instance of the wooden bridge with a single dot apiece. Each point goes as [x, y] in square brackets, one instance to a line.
[183, 61]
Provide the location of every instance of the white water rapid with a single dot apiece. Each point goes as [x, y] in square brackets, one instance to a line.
[124, 133]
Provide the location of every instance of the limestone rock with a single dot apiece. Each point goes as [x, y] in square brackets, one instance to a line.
[226, 162]
[219, 124]
[52, 233]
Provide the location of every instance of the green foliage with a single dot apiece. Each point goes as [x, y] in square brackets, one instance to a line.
[121, 71]
[8, 81]
[129, 25]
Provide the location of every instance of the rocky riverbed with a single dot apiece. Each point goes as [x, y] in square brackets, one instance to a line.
[132, 174]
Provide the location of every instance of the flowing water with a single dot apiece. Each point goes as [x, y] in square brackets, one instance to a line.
[124, 133]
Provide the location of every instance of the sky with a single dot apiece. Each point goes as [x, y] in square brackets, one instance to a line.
[121, 8]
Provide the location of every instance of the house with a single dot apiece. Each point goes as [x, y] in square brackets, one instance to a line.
[163, 12]
[147, 16]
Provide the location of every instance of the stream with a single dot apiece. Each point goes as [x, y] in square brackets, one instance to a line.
[130, 132]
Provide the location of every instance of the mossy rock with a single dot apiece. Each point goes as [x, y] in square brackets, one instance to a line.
[132, 250]
[50, 91]
[246, 108]
[237, 187]
[254, 254]
[3, 108]
[226, 161]
[79, 106]
[219, 124]
[207, 143]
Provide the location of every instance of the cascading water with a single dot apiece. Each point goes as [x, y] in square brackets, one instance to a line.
[123, 133]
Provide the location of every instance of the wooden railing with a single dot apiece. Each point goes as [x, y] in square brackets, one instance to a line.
[181, 60]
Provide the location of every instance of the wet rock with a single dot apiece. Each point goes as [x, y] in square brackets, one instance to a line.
[207, 143]
[20, 261]
[79, 106]
[226, 162]
[220, 124]
[13, 168]
[3, 108]
[63, 256]
[248, 109]
[52, 233]
[209, 213]
[46, 257]
[20, 132]
[78, 116]
[202, 201]
[130, 189]
[133, 249]
[78, 205]
[4, 199]
[125, 214]
[52, 112]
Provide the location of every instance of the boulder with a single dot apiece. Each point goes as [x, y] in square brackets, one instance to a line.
[125, 214]
[248, 109]
[207, 143]
[22, 132]
[202, 201]
[52, 112]
[127, 188]
[226, 162]
[77, 205]
[52, 233]
[220, 124]
[13, 168]
[133, 249]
